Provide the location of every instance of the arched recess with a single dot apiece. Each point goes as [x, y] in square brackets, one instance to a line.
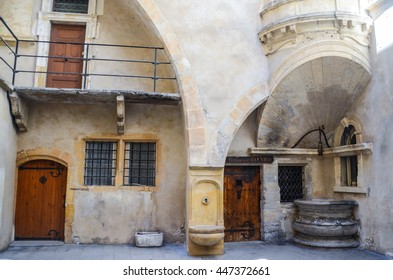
[315, 87]
[228, 127]
[62, 158]
[192, 106]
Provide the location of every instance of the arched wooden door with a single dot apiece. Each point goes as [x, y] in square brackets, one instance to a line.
[40, 200]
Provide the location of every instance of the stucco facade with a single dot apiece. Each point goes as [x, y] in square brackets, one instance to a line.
[252, 77]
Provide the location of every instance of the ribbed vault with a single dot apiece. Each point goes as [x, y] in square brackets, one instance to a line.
[318, 92]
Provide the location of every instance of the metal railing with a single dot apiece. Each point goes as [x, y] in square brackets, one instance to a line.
[87, 59]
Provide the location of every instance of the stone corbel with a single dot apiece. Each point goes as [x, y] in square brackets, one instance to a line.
[20, 111]
[120, 109]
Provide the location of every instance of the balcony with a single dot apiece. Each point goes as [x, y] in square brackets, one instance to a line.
[142, 74]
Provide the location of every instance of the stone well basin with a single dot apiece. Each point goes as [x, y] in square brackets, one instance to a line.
[326, 223]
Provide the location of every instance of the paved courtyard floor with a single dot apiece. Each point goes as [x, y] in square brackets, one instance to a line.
[174, 251]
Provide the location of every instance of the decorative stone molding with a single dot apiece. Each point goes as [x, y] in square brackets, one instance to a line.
[314, 27]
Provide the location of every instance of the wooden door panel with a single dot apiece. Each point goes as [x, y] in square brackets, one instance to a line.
[72, 34]
[40, 201]
[242, 203]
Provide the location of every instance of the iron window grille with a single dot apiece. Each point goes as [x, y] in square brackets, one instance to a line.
[140, 164]
[290, 181]
[71, 6]
[100, 163]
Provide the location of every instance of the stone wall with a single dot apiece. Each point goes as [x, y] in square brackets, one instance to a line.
[7, 169]
[374, 109]
[113, 214]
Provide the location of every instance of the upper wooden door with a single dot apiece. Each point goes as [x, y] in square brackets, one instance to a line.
[242, 214]
[40, 200]
[65, 57]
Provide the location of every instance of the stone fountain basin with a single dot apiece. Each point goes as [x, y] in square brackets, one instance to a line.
[206, 235]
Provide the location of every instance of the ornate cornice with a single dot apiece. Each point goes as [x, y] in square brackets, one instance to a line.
[309, 28]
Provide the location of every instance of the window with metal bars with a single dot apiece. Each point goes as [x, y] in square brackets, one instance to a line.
[290, 181]
[71, 6]
[100, 163]
[140, 164]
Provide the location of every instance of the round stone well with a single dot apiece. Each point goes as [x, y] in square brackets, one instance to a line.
[326, 223]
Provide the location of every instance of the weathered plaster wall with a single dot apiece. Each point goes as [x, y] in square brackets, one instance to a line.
[245, 137]
[8, 148]
[219, 39]
[374, 109]
[113, 214]
[120, 25]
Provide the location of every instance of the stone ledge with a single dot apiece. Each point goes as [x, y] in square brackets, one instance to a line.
[363, 148]
[350, 189]
[93, 96]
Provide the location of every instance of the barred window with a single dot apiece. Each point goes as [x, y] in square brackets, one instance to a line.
[100, 163]
[140, 164]
[71, 6]
[290, 181]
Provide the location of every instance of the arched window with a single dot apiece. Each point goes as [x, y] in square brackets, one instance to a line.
[349, 164]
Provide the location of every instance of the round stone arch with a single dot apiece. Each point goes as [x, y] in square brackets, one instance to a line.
[63, 158]
[345, 122]
[192, 106]
[229, 126]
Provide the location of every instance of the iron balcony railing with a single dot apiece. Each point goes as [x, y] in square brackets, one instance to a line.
[87, 59]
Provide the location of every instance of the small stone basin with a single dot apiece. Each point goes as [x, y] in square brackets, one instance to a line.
[206, 235]
[326, 223]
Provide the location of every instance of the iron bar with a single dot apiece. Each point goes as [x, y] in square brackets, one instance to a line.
[8, 28]
[86, 63]
[91, 44]
[8, 46]
[155, 70]
[15, 61]
[94, 59]
[6, 63]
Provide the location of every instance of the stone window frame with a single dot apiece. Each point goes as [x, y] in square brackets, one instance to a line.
[119, 165]
[45, 19]
[349, 151]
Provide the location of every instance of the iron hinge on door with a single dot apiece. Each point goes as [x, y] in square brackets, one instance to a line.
[247, 230]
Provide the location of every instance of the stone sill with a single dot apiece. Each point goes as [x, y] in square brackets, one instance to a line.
[363, 148]
[342, 189]
[93, 96]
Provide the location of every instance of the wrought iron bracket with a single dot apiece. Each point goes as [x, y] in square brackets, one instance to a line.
[321, 131]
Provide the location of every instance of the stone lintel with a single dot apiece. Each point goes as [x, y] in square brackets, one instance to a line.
[94, 96]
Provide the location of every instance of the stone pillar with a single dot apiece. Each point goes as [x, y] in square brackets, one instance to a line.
[205, 211]
[271, 213]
